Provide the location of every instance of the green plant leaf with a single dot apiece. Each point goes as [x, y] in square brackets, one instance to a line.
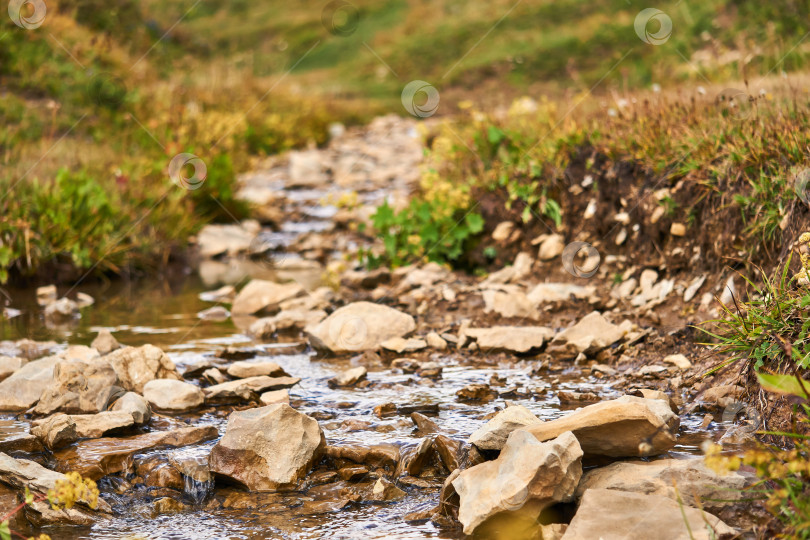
[784, 384]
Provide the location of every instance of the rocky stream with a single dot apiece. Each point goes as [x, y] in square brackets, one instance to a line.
[277, 390]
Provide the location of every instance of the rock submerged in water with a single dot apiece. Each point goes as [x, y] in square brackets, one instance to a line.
[527, 477]
[269, 448]
[619, 515]
[625, 427]
[360, 326]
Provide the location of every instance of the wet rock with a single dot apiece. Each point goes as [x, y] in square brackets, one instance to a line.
[22, 473]
[613, 515]
[430, 369]
[576, 397]
[286, 320]
[360, 326]
[268, 448]
[259, 295]
[105, 343]
[172, 396]
[520, 339]
[544, 293]
[493, 434]
[414, 459]
[550, 247]
[62, 429]
[448, 450]
[385, 409]
[135, 405]
[243, 370]
[216, 313]
[167, 505]
[378, 455]
[476, 392]
[94, 458]
[61, 310]
[407, 365]
[353, 474]
[78, 387]
[46, 294]
[19, 442]
[689, 479]
[527, 477]
[385, 490]
[678, 360]
[136, 366]
[350, 377]
[720, 396]
[214, 376]
[509, 303]
[590, 335]
[435, 341]
[215, 240]
[424, 424]
[247, 389]
[624, 427]
[10, 364]
[275, 396]
[21, 390]
[223, 294]
[402, 345]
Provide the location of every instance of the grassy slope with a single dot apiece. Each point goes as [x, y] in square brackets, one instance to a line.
[111, 122]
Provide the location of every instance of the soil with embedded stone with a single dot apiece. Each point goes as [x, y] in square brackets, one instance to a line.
[418, 402]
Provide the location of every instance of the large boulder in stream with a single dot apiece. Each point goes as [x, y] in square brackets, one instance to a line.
[22, 390]
[527, 477]
[269, 448]
[625, 427]
[609, 514]
[360, 326]
[78, 387]
[136, 366]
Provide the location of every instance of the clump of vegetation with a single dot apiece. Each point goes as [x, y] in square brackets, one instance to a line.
[66, 492]
[784, 474]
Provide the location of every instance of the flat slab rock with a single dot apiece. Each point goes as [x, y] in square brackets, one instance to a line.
[609, 514]
[493, 434]
[268, 448]
[246, 389]
[62, 429]
[519, 339]
[625, 427]
[22, 473]
[697, 485]
[590, 335]
[260, 294]
[95, 458]
[22, 389]
[360, 326]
